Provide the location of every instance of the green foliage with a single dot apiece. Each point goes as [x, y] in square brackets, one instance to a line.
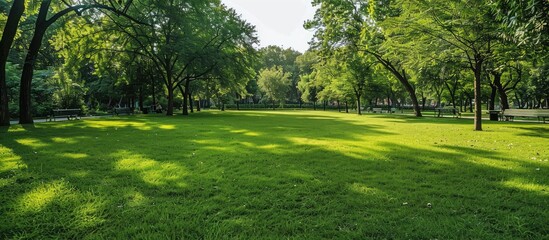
[273, 56]
[524, 21]
[42, 93]
[274, 82]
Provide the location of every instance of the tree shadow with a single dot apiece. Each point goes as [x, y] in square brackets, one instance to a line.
[538, 132]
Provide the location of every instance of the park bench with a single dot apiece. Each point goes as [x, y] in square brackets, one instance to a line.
[394, 110]
[68, 113]
[124, 110]
[439, 112]
[377, 110]
[540, 114]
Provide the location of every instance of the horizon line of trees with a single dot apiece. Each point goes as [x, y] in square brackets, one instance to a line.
[98, 54]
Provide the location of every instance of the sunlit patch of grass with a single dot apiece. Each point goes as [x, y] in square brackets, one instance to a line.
[10, 160]
[136, 199]
[246, 133]
[151, 171]
[363, 189]
[64, 140]
[38, 198]
[32, 142]
[74, 155]
[113, 124]
[89, 215]
[521, 184]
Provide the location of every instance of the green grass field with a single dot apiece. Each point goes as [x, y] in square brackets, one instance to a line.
[274, 175]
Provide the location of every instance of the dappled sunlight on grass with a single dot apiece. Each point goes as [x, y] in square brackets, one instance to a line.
[39, 198]
[64, 140]
[208, 141]
[32, 142]
[74, 155]
[9, 160]
[89, 214]
[136, 199]
[270, 147]
[151, 171]
[274, 174]
[216, 148]
[167, 127]
[497, 163]
[118, 124]
[523, 185]
[363, 189]
[246, 132]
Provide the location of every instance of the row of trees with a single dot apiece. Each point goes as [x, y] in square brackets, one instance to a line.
[433, 47]
[459, 52]
[100, 54]
[86, 52]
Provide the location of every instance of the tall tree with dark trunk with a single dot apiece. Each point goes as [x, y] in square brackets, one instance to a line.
[466, 26]
[356, 23]
[41, 26]
[10, 30]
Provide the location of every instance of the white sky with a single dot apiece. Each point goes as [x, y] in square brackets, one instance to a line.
[278, 22]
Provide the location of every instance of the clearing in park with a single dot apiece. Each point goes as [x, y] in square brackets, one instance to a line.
[274, 175]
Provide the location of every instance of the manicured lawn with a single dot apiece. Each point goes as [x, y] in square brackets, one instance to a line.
[275, 175]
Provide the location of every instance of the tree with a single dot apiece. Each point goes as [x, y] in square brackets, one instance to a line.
[356, 23]
[306, 84]
[463, 25]
[8, 35]
[187, 40]
[43, 22]
[524, 21]
[359, 71]
[274, 82]
[272, 56]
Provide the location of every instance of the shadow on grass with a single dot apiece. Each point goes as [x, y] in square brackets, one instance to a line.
[539, 132]
[255, 175]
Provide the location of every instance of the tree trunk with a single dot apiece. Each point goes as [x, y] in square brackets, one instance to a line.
[501, 90]
[471, 104]
[453, 98]
[16, 11]
[191, 102]
[492, 102]
[403, 79]
[186, 97]
[141, 98]
[461, 102]
[169, 111]
[185, 107]
[477, 69]
[198, 105]
[25, 115]
[358, 110]
[411, 91]
[153, 93]
[346, 106]
[338, 106]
